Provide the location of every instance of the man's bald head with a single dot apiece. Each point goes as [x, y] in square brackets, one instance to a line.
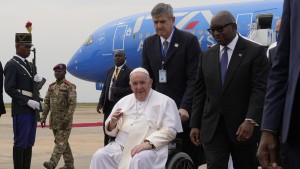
[224, 17]
[223, 27]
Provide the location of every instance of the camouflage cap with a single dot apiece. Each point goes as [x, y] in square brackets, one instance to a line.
[60, 66]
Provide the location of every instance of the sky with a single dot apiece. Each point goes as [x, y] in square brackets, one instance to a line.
[59, 28]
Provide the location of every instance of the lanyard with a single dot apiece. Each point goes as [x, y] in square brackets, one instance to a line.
[116, 73]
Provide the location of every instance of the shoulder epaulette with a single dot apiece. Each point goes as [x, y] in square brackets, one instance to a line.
[67, 82]
[52, 83]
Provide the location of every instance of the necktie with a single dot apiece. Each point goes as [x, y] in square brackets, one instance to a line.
[166, 45]
[224, 63]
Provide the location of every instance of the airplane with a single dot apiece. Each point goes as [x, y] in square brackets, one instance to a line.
[255, 20]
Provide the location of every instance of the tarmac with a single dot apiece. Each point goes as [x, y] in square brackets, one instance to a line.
[86, 137]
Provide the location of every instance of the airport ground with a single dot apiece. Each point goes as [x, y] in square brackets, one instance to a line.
[85, 139]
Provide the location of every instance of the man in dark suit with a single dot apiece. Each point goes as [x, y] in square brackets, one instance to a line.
[228, 102]
[2, 107]
[282, 155]
[115, 87]
[281, 115]
[19, 80]
[171, 57]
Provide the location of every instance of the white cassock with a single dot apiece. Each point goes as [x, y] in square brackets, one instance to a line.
[156, 119]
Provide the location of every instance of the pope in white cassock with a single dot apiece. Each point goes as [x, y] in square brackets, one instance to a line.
[144, 123]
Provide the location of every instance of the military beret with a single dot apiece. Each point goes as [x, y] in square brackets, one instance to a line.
[24, 38]
[60, 66]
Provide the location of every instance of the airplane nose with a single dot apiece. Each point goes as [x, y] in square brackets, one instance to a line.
[75, 65]
[88, 61]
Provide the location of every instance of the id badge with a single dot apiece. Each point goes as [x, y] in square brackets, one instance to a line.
[162, 76]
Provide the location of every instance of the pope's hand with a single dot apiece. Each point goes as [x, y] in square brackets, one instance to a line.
[114, 119]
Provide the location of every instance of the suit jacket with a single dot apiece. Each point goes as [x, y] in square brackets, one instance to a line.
[122, 84]
[284, 76]
[17, 78]
[271, 55]
[180, 63]
[241, 96]
[2, 107]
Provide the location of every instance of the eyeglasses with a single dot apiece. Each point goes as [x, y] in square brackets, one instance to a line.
[219, 29]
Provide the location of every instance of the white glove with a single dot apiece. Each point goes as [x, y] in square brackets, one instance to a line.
[33, 104]
[38, 78]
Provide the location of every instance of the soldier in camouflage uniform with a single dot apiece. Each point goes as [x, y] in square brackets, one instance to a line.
[61, 101]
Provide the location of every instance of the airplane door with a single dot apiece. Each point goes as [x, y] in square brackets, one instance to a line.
[119, 38]
[244, 23]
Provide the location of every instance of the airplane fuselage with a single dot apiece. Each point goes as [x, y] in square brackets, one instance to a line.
[92, 60]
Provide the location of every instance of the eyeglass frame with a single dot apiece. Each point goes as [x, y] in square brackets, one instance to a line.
[220, 29]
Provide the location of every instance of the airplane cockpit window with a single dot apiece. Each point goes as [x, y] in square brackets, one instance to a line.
[89, 40]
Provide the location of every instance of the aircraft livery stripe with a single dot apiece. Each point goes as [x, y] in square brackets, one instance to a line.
[191, 25]
[138, 24]
[207, 15]
[178, 14]
[186, 19]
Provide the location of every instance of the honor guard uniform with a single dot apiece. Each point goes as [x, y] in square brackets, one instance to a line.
[60, 100]
[19, 79]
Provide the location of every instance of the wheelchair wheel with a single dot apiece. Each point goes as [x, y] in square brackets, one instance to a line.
[180, 160]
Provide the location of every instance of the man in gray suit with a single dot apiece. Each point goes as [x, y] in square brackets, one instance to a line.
[281, 112]
[171, 58]
[228, 101]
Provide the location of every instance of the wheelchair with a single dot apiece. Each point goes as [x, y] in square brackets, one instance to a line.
[177, 159]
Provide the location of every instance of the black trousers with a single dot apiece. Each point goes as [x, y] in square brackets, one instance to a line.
[218, 150]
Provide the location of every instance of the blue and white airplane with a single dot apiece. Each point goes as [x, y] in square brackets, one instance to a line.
[93, 59]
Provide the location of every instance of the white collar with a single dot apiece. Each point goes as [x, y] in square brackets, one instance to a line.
[169, 38]
[120, 67]
[23, 59]
[232, 44]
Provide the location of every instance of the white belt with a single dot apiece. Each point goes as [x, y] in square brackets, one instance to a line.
[26, 93]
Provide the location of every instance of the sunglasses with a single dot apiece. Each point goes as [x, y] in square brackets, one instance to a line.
[219, 29]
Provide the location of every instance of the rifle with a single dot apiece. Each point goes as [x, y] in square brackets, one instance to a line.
[36, 87]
